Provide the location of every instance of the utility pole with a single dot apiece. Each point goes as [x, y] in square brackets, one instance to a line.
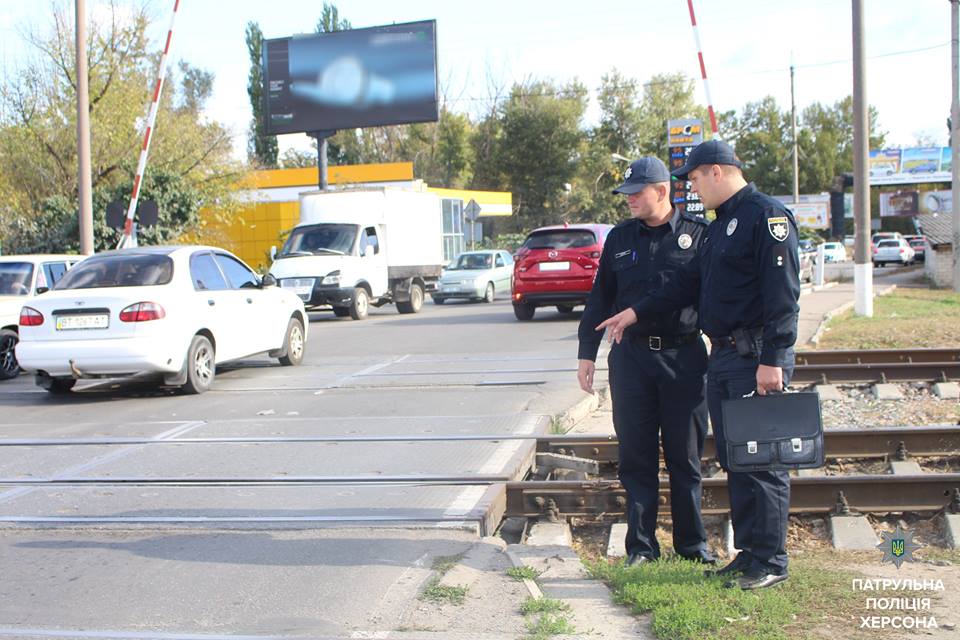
[84, 185]
[955, 136]
[793, 124]
[863, 265]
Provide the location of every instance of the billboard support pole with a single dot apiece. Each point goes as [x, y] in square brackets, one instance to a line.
[321, 138]
[955, 135]
[863, 261]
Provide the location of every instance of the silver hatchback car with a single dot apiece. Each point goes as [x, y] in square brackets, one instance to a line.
[476, 275]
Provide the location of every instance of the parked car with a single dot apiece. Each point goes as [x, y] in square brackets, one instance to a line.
[171, 312]
[21, 278]
[919, 246]
[884, 235]
[893, 250]
[807, 246]
[475, 275]
[834, 252]
[556, 266]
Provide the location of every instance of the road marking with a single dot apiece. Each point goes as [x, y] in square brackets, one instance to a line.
[110, 457]
[146, 635]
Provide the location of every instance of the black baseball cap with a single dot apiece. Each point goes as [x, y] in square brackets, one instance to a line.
[640, 173]
[709, 152]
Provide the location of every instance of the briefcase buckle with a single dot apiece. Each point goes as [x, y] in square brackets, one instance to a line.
[655, 343]
[752, 446]
[796, 444]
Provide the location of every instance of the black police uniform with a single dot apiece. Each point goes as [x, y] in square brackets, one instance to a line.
[745, 281]
[656, 376]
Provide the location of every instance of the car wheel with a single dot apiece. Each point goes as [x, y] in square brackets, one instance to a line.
[201, 366]
[437, 300]
[341, 312]
[565, 308]
[293, 344]
[360, 304]
[8, 357]
[415, 303]
[524, 310]
[490, 293]
[56, 386]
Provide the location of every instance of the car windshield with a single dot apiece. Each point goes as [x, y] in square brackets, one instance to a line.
[15, 278]
[889, 243]
[473, 261]
[916, 243]
[118, 270]
[831, 245]
[560, 239]
[318, 239]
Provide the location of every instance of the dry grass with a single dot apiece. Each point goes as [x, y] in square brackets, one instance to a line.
[907, 318]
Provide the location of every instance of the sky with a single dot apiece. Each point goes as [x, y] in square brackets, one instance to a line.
[748, 48]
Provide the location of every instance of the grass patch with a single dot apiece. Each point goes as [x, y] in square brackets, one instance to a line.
[436, 592]
[552, 618]
[523, 573]
[687, 605]
[906, 318]
[442, 593]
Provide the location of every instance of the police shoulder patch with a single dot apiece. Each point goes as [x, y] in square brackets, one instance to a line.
[779, 228]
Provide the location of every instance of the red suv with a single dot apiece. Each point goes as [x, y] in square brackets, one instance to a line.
[556, 266]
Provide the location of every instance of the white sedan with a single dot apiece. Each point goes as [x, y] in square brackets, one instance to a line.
[175, 312]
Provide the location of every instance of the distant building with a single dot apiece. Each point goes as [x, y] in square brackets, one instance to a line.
[938, 261]
[273, 206]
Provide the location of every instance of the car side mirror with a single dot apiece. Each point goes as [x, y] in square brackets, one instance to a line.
[268, 280]
[42, 290]
[273, 252]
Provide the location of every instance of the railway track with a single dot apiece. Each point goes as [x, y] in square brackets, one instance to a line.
[594, 498]
[876, 366]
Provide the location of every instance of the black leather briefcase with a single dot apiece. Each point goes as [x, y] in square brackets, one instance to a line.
[774, 432]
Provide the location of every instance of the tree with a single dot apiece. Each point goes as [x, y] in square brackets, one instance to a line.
[666, 96]
[38, 155]
[261, 148]
[539, 146]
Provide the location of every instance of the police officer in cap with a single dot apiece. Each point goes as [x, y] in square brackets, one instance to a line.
[745, 282]
[657, 371]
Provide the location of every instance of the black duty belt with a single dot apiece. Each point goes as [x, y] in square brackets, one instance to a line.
[720, 342]
[656, 343]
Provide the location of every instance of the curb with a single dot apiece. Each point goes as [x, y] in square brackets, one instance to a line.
[829, 315]
[566, 420]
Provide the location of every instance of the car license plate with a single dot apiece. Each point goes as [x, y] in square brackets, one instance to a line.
[554, 266]
[300, 286]
[69, 323]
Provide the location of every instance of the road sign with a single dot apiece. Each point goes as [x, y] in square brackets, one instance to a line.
[472, 211]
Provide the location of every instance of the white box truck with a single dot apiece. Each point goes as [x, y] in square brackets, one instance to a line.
[360, 247]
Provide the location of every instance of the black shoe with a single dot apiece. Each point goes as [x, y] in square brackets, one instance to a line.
[735, 567]
[636, 559]
[751, 581]
[703, 557]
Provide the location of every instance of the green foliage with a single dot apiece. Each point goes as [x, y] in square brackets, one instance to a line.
[523, 573]
[261, 148]
[543, 605]
[455, 595]
[547, 617]
[189, 153]
[686, 605]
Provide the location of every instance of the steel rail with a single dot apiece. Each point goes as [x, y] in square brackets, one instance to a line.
[872, 372]
[839, 443]
[861, 356]
[808, 494]
[879, 442]
[227, 481]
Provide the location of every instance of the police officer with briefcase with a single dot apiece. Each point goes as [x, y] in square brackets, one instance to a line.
[745, 282]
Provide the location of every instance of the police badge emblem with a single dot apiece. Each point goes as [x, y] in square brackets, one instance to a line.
[685, 241]
[778, 228]
[628, 173]
[898, 546]
[731, 227]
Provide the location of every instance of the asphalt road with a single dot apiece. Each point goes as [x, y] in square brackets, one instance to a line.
[326, 556]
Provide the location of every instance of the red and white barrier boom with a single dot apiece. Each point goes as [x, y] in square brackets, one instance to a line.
[703, 69]
[129, 239]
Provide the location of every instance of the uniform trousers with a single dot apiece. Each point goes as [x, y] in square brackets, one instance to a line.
[660, 394]
[759, 500]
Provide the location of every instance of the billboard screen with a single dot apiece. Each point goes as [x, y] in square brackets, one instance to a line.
[347, 79]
